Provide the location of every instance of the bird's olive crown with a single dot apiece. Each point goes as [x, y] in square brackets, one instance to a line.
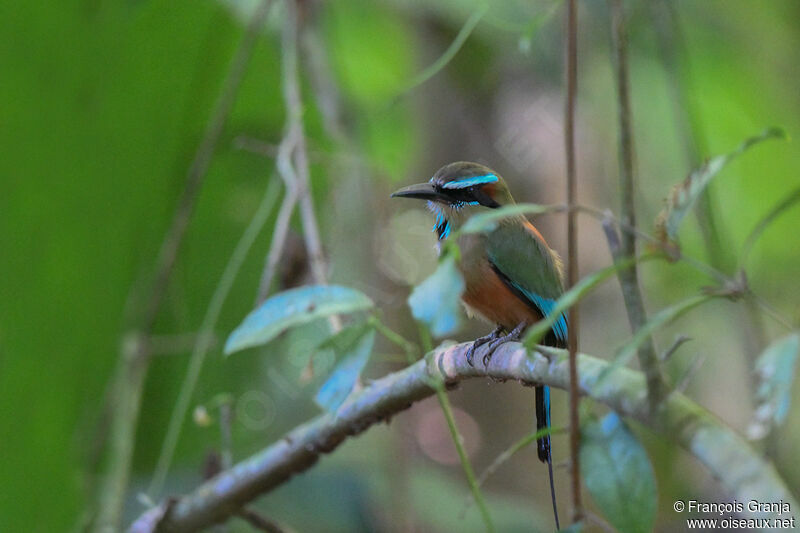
[456, 190]
[464, 183]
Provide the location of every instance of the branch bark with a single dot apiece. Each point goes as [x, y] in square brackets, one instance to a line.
[742, 472]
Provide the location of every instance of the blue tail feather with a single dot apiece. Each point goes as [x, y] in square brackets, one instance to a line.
[543, 421]
[543, 443]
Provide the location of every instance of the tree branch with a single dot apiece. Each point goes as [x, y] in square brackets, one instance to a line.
[740, 470]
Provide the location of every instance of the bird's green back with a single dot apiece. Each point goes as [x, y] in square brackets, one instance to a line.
[524, 258]
[529, 265]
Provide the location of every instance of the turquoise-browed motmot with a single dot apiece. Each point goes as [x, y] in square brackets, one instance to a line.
[512, 277]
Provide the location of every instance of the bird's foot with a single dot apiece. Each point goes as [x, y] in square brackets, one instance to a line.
[515, 335]
[480, 341]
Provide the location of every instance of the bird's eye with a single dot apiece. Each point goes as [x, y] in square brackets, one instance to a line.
[483, 198]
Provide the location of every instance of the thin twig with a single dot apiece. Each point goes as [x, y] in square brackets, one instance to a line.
[203, 343]
[606, 218]
[408, 347]
[458, 440]
[629, 277]
[255, 146]
[202, 158]
[175, 343]
[611, 234]
[298, 171]
[604, 215]
[683, 381]
[677, 343]
[226, 433]
[451, 51]
[346, 154]
[259, 521]
[326, 93]
[776, 211]
[293, 167]
[572, 251]
[506, 456]
[279, 234]
[134, 363]
[444, 402]
[742, 472]
[722, 278]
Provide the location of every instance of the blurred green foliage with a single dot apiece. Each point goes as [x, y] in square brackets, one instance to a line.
[102, 105]
[618, 474]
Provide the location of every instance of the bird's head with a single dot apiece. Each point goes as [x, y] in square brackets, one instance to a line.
[458, 190]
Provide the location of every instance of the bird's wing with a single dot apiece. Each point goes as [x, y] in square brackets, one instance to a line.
[529, 267]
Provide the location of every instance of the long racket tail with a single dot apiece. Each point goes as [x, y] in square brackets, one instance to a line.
[543, 442]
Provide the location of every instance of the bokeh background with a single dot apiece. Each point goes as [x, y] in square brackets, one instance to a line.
[102, 105]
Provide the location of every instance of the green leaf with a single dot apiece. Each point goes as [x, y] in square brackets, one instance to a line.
[775, 367]
[292, 308]
[488, 221]
[352, 346]
[684, 195]
[618, 474]
[436, 302]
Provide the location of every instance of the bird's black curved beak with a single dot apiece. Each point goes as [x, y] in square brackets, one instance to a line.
[421, 191]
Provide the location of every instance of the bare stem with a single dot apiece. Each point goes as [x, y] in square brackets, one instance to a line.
[696, 264]
[458, 440]
[474, 486]
[300, 171]
[279, 234]
[260, 522]
[203, 343]
[326, 92]
[435, 67]
[507, 454]
[293, 166]
[572, 251]
[629, 277]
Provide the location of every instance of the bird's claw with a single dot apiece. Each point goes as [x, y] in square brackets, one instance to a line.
[480, 341]
[495, 344]
[471, 353]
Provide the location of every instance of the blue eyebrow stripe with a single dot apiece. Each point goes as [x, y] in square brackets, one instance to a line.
[469, 182]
